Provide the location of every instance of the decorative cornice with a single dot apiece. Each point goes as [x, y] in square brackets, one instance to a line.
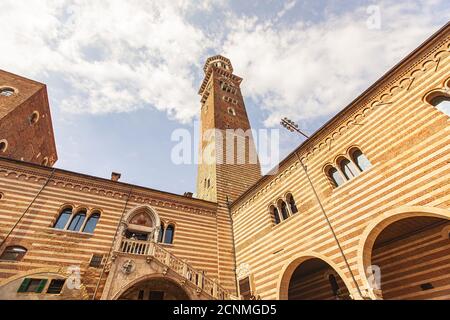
[108, 189]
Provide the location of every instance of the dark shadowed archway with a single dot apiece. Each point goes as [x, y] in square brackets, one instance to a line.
[315, 279]
[412, 256]
[155, 289]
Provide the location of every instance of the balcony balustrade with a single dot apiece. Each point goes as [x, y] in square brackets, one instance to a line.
[181, 267]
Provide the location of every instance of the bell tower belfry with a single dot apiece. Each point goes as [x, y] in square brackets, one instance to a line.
[228, 163]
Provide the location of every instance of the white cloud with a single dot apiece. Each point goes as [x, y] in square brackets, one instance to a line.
[111, 56]
[304, 71]
[117, 56]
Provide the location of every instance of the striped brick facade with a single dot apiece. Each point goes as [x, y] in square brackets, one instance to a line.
[407, 141]
[392, 216]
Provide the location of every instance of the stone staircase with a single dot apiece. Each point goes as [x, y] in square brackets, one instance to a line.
[153, 251]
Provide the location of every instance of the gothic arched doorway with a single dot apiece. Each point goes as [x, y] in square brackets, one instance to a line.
[155, 289]
[142, 224]
[410, 257]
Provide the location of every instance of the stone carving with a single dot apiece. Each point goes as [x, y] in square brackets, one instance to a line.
[128, 267]
[243, 270]
[108, 267]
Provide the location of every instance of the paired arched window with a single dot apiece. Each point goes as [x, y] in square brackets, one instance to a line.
[283, 209]
[441, 102]
[292, 204]
[13, 253]
[166, 234]
[63, 218]
[76, 221]
[347, 168]
[91, 223]
[335, 176]
[275, 215]
[360, 160]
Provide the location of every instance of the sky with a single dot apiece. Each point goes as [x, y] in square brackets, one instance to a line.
[123, 75]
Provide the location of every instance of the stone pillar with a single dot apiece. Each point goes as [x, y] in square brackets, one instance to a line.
[120, 234]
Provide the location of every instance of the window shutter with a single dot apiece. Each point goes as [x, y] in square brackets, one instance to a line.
[41, 286]
[24, 286]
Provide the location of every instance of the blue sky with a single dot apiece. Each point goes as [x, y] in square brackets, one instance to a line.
[123, 75]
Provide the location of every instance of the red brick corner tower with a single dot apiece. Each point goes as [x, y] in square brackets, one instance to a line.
[26, 131]
[234, 167]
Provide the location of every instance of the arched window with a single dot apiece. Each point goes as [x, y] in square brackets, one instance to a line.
[334, 285]
[63, 218]
[442, 103]
[348, 169]
[292, 205]
[13, 253]
[360, 160]
[168, 234]
[275, 215]
[34, 117]
[284, 210]
[7, 92]
[91, 223]
[161, 233]
[3, 145]
[335, 176]
[77, 221]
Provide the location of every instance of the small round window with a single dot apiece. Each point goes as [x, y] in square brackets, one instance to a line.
[7, 92]
[34, 118]
[3, 145]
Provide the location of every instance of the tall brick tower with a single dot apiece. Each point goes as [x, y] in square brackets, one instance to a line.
[234, 165]
[26, 131]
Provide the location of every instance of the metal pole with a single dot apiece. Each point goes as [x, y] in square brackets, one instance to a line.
[291, 126]
[28, 208]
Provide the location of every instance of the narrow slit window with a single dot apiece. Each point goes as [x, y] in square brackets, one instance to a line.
[335, 177]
